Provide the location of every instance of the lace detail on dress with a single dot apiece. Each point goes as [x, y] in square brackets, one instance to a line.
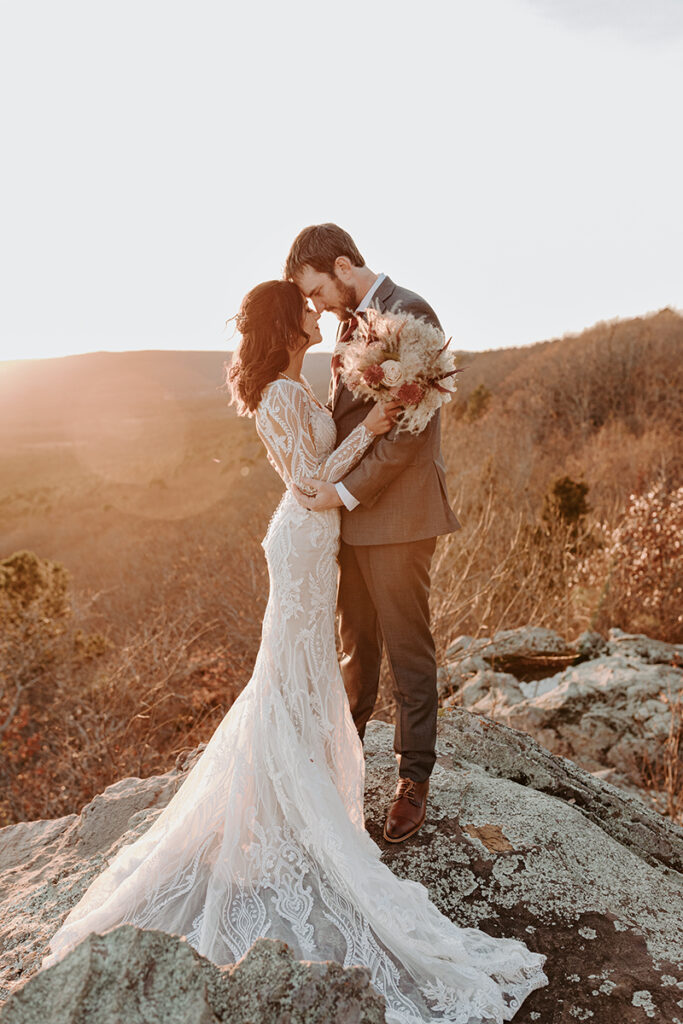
[299, 435]
[266, 835]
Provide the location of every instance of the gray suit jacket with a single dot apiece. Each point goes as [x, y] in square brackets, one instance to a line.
[401, 482]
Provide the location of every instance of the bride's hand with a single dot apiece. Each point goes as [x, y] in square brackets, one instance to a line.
[380, 419]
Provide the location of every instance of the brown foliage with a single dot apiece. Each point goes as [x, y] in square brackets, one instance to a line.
[602, 411]
[167, 569]
[637, 568]
[79, 712]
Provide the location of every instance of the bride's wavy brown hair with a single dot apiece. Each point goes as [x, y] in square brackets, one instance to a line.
[270, 321]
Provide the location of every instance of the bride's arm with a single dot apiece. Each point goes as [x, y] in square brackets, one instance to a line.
[283, 421]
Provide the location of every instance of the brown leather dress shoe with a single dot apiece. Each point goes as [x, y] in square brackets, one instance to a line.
[407, 811]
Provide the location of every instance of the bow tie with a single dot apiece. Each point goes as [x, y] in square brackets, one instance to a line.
[346, 336]
[352, 324]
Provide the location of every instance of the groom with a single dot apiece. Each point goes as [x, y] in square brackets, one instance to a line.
[393, 506]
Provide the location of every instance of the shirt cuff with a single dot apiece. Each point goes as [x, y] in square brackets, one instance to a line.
[348, 499]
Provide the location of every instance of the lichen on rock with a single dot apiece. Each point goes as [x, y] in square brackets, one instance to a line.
[518, 842]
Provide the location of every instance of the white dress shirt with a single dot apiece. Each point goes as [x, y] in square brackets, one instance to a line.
[348, 499]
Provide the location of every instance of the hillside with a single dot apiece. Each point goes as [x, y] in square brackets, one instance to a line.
[42, 391]
[564, 465]
[545, 448]
[146, 433]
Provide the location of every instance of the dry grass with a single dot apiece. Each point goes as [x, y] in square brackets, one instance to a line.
[636, 567]
[661, 771]
[90, 711]
[178, 600]
[603, 409]
[167, 567]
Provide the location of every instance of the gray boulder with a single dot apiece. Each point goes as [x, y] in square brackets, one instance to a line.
[455, 674]
[521, 842]
[590, 645]
[637, 645]
[529, 652]
[523, 642]
[45, 866]
[518, 842]
[484, 690]
[612, 712]
[145, 977]
[528, 642]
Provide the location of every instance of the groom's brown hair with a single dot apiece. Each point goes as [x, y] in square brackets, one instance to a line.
[318, 247]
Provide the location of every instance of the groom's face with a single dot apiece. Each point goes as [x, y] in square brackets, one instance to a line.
[327, 293]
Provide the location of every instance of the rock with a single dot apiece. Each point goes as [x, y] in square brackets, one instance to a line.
[619, 779]
[610, 712]
[45, 866]
[590, 645]
[525, 641]
[486, 689]
[144, 977]
[528, 642]
[518, 841]
[460, 646]
[524, 651]
[537, 687]
[506, 753]
[656, 652]
[528, 650]
[521, 842]
[455, 674]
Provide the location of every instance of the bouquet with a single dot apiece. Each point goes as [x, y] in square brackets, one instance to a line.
[399, 357]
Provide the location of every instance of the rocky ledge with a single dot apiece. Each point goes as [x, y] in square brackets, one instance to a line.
[519, 842]
[614, 706]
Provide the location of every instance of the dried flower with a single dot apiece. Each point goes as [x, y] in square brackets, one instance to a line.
[374, 375]
[447, 383]
[398, 356]
[393, 374]
[410, 394]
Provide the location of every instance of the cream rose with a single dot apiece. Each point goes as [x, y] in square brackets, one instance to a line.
[393, 374]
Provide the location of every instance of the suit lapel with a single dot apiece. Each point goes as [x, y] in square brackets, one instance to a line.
[335, 388]
[382, 299]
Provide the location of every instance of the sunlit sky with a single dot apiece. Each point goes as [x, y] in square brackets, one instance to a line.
[518, 162]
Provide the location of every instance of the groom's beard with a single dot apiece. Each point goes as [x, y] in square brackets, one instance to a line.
[347, 301]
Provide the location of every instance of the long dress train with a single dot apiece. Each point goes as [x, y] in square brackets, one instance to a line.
[266, 835]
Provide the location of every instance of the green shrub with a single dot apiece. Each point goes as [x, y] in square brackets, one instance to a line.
[565, 502]
[478, 403]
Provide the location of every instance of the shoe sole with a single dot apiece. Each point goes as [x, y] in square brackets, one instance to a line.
[406, 836]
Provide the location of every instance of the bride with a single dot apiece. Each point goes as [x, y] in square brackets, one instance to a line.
[266, 835]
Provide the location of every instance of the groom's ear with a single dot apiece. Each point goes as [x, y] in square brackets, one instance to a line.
[343, 267]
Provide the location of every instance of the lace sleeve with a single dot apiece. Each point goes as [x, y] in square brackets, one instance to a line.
[283, 422]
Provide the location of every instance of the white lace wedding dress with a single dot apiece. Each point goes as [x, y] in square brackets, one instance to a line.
[265, 837]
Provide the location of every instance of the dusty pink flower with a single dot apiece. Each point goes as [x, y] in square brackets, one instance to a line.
[374, 375]
[410, 394]
[398, 355]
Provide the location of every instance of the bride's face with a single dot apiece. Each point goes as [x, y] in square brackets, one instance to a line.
[310, 326]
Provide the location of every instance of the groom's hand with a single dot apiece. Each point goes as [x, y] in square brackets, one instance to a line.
[326, 495]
